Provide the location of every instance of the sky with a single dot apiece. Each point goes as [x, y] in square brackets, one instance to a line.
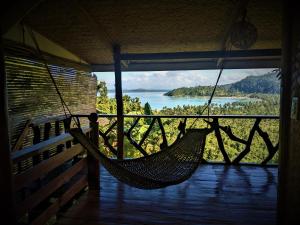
[175, 79]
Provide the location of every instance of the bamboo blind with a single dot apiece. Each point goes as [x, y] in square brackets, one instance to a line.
[31, 94]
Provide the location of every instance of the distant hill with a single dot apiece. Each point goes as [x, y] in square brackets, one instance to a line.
[146, 90]
[265, 84]
[142, 90]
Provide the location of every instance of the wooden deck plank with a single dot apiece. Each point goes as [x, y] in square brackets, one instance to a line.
[215, 194]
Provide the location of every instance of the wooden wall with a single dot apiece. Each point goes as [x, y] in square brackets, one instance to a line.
[289, 174]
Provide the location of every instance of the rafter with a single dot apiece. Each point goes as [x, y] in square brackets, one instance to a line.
[95, 26]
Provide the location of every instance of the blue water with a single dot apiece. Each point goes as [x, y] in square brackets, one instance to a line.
[157, 100]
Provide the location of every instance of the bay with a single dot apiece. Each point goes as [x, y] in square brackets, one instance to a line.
[158, 100]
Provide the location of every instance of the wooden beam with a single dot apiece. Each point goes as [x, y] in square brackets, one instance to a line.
[7, 204]
[194, 65]
[118, 84]
[285, 111]
[203, 54]
[15, 11]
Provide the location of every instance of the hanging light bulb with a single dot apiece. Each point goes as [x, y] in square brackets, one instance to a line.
[243, 34]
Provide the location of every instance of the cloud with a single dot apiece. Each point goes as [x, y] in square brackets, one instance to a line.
[176, 79]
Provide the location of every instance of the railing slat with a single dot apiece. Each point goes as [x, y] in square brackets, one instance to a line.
[42, 146]
[217, 127]
[147, 132]
[61, 201]
[40, 195]
[249, 141]
[46, 166]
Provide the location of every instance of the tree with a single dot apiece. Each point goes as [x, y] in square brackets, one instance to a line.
[148, 111]
[102, 89]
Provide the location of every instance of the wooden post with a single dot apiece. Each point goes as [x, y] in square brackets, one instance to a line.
[118, 84]
[7, 203]
[93, 164]
[285, 104]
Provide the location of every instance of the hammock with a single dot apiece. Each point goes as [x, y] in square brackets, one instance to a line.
[170, 166]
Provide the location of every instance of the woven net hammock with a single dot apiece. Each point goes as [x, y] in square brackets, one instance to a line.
[170, 166]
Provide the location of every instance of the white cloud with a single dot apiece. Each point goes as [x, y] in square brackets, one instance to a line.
[175, 79]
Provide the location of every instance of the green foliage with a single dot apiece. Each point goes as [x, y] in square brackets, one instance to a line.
[102, 89]
[148, 111]
[268, 104]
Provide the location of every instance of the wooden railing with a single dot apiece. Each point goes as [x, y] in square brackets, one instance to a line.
[215, 122]
[49, 173]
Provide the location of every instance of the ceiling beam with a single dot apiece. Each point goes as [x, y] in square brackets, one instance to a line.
[203, 55]
[194, 65]
[14, 12]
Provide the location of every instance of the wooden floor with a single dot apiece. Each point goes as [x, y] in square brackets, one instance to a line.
[216, 194]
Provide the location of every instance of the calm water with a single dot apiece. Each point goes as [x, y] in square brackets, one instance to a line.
[157, 100]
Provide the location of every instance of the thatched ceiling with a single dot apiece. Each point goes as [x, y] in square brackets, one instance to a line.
[88, 28]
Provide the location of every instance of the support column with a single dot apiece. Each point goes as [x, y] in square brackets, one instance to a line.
[285, 104]
[289, 167]
[118, 85]
[93, 164]
[7, 204]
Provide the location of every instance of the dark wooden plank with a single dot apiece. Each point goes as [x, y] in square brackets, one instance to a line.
[42, 146]
[7, 206]
[215, 194]
[33, 200]
[119, 99]
[61, 201]
[46, 166]
[228, 131]
[47, 130]
[59, 148]
[133, 125]
[241, 63]
[92, 162]
[203, 54]
[110, 128]
[288, 21]
[164, 144]
[36, 139]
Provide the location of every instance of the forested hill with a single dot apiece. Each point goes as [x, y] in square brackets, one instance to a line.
[266, 84]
